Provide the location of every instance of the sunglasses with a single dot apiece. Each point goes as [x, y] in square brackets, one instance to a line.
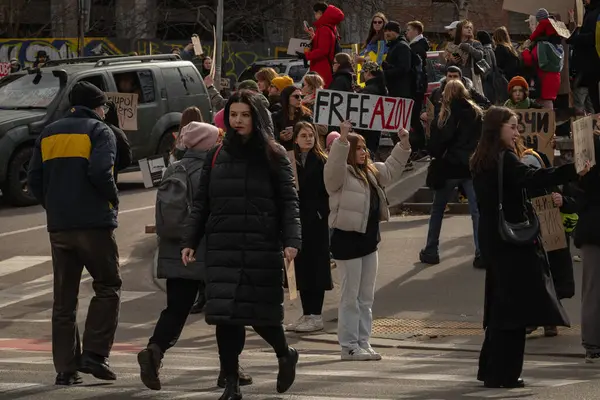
[297, 96]
[377, 22]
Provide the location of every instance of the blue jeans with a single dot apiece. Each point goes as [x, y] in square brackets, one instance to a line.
[440, 200]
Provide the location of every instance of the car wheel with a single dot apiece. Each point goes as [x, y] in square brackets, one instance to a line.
[166, 145]
[16, 189]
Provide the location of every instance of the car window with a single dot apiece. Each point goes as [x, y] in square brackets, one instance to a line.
[96, 80]
[139, 82]
[29, 91]
[193, 79]
[297, 72]
[175, 82]
[435, 70]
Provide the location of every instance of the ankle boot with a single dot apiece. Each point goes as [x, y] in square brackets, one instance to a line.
[287, 370]
[232, 389]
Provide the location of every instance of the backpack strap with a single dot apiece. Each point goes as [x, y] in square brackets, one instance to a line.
[214, 159]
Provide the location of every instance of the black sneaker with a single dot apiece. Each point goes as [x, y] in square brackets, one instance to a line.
[244, 379]
[287, 370]
[97, 366]
[67, 378]
[149, 360]
[431, 259]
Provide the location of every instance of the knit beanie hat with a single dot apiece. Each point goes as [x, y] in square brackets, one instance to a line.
[542, 14]
[517, 81]
[199, 135]
[281, 82]
[392, 26]
[88, 95]
[331, 137]
[248, 84]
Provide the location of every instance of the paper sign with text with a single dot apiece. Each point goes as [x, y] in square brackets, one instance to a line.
[4, 69]
[127, 104]
[366, 111]
[583, 142]
[551, 225]
[297, 45]
[538, 128]
[560, 28]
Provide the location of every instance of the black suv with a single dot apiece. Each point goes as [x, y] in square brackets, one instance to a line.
[32, 99]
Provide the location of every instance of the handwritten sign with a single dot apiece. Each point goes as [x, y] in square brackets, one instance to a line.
[197, 45]
[297, 45]
[583, 141]
[551, 225]
[560, 28]
[4, 69]
[292, 157]
[366, 111]
[537, 128]
[290, 270]
[127, 104]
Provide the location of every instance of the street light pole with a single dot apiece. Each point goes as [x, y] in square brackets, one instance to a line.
[81, 15]
[219, 43]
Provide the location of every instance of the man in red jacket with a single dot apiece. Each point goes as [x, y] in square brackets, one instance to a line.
[324, 37]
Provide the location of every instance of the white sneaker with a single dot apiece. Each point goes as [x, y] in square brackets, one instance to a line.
[292, 327]
[312, 323]
[375, 356]
[355, 354]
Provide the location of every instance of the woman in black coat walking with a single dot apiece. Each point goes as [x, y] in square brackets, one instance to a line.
[518, 286]
[313, 269]
[247, 207]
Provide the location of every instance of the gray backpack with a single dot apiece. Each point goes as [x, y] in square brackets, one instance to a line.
[174, 201]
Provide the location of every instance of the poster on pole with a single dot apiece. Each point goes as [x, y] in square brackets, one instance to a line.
[299, 45]
[197, 45]
[127, 105]
[583, 141]
[551, 224]
[537, 128]
[365, 111]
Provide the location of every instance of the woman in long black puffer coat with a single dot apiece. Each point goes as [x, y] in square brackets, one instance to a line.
[247, 207]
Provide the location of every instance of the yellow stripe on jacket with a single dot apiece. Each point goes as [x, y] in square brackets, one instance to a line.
[66, 145]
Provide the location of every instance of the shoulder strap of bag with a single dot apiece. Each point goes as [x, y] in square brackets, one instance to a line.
[500, 180]
[214, 159]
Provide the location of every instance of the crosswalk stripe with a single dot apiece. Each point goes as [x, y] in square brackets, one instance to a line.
[20, 263]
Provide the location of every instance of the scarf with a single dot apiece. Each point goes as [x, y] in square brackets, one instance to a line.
[522, 105]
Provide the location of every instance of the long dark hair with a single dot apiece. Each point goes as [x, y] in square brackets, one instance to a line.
[261, 136]
[285, 107]
[374, 36]
[490, 144]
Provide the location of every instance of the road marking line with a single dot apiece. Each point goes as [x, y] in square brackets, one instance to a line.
[38, 227]
[20, 263]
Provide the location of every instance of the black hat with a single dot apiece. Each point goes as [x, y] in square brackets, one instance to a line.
[87, 95]
[392, 26]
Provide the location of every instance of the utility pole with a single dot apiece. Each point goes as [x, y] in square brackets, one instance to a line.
[84, 9]
[219, 43]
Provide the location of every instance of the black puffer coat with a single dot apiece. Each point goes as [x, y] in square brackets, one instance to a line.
[249, 212]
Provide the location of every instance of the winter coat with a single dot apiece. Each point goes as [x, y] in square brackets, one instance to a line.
[474, 53]
[343, 80]
[519, 291]
[279, 125]
[421, 47]
[397, 69]
[507, 62]
[453, 144]
[170, 265]
[313, 270]
[248, 211]
[349, 195]
[586, 45]
[478, 98]
[549, 81]
[323, 44]
[587, 232]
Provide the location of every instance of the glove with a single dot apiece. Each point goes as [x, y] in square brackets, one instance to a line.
[301, 55]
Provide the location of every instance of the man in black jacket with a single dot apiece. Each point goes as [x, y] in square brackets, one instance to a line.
[71, 175]
[419, 47]
[398, 63]
[453, 72]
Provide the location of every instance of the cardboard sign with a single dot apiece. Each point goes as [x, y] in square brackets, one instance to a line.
[4, 69]
[290, 270]
[537, 128]
[197, 45]
[127, 104]
[430, 110]
[152, 170]
[297, 45]
[366, 111]
[560, 28]
[292, 157]
[551, 225]
[583, 141]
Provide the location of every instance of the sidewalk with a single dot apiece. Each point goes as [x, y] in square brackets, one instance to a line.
[434, 307]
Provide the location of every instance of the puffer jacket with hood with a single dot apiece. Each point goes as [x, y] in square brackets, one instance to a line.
[323, 44]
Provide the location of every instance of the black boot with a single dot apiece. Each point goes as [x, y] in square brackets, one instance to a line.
[232, 389]
[67, 378]
[244, 378]
[149, 360]
[287, 370]
[97, 366]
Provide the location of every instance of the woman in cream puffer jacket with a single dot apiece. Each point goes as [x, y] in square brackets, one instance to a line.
[357, 204]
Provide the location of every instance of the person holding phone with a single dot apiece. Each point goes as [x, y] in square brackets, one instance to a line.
[357, 204]
[292, 111]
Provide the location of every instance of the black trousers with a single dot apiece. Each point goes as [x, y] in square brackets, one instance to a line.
[501, 357]
[231, 340]
[96, 250]
[312, 301]
[181, 295]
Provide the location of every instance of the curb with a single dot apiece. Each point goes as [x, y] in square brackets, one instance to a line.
[160, 283]
[408, 345]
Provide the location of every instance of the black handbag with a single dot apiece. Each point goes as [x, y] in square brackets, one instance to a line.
[521, 233]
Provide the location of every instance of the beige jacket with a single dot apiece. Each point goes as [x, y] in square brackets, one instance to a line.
[349, 196]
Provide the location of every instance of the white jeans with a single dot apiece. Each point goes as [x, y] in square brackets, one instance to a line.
[355, 316]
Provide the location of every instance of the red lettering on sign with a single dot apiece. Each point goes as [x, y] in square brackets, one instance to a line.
[394, 102]
[379, 110]
[407, 115]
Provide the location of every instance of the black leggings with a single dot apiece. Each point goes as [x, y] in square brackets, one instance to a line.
[312, 301]
[232, 338]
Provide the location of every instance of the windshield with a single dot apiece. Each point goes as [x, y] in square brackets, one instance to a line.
[29, 91]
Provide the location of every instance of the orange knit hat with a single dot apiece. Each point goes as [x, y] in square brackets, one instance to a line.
[517, 81]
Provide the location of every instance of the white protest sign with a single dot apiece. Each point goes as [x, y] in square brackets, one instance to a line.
[583, 140]
[127, 104]
[4, 69]
[197, 45]
[297, 45]
[366, 111]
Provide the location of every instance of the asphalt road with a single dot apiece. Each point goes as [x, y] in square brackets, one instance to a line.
[405, 289]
